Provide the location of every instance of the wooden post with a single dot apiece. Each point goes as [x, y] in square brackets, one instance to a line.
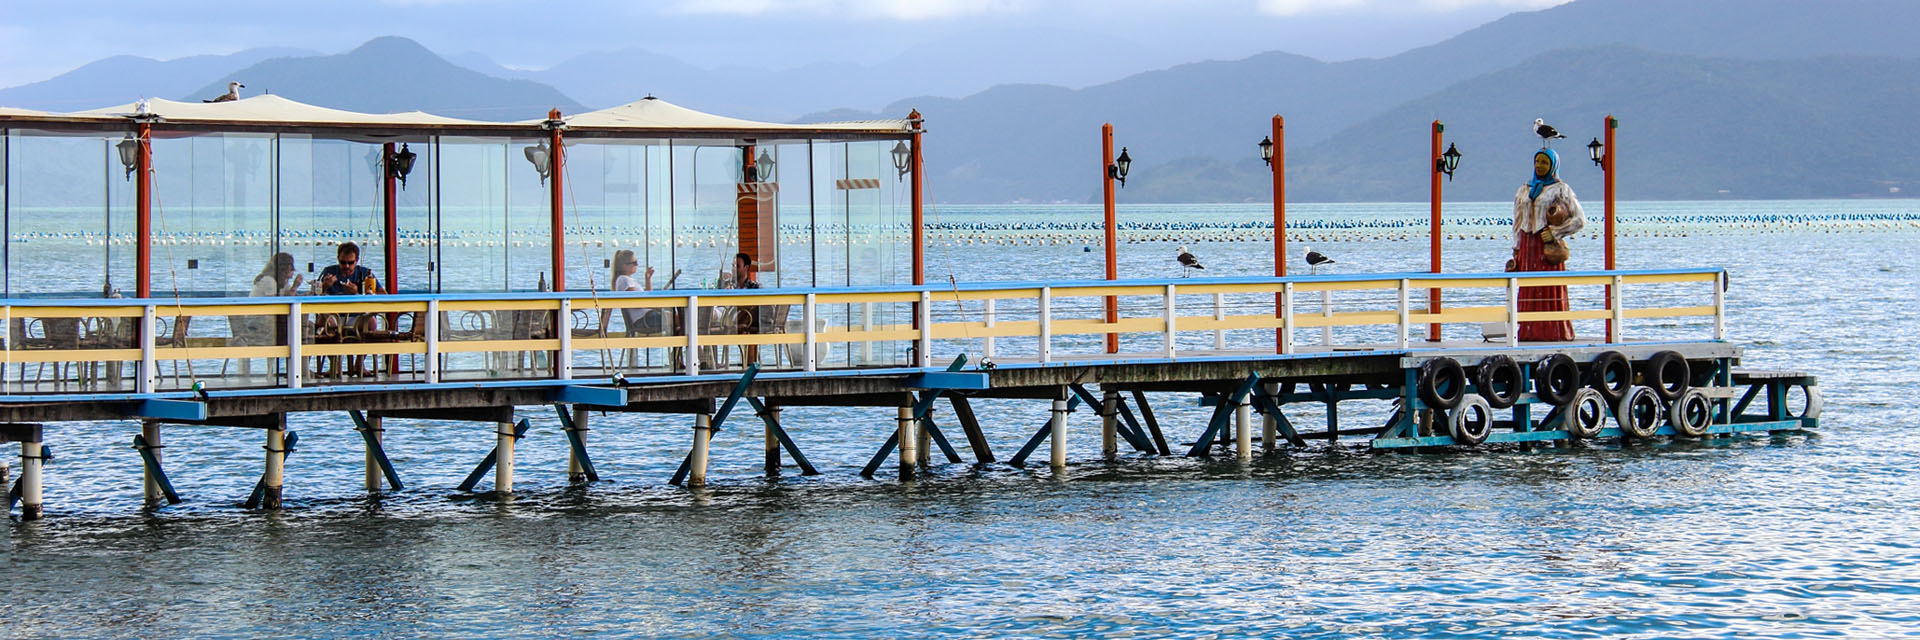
[1109, 426]
[556, 165]
[1270, 423]
[909, 442]
[1433, 235]
[143, 214]
[576, 469]
[772, 439]
[1279, 220]
[1243, 430]
[1113, 235]
[376, 432]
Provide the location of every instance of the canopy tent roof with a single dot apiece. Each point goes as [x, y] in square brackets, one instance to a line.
[646, 118]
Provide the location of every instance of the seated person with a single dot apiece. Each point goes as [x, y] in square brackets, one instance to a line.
[638, 321]
[278, 278]
[347, 277]
[746, 319]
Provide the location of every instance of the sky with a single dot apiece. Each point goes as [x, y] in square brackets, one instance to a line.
[39, 40]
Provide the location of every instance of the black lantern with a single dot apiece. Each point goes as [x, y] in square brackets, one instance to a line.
[129, 154]
[1118, 170]
[539, 157]
[902, 155]
[1448, 162]
[1597, 151]
[1266, 149]
[401, 163]
[765, 166]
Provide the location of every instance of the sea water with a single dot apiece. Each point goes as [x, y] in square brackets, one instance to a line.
[1787, 536]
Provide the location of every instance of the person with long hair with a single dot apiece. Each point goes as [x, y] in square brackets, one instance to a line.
[1545, 214]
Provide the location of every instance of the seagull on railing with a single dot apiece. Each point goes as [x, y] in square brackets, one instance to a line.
[1545, 131]
[232, 94]
[1187, 262]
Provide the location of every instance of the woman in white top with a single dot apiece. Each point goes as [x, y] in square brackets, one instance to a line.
[625, 265]
[275, 279]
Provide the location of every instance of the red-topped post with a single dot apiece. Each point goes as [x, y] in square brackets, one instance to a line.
[1113, 236]
[1433, 235]
[556, 165]
[919, 190]
[392, 206]
[1279, 219]
[1606, 182]
[143, 211]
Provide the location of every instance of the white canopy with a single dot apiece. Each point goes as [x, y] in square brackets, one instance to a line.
[651, 117]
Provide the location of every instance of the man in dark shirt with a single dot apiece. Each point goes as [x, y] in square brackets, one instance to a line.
[348, 277]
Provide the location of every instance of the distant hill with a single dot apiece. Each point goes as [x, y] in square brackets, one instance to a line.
[394, 74]
[1691, 128]
[1032, 142]
[123, 79]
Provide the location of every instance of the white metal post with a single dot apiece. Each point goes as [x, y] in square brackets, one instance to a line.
[808, 361]
[1286, 318]
[296, 339]
[1720, 306]
[925, 315]
[563, 327]
[1405, 325]
[690, 361]
[1243, 429]
[433, 341]
[866, 326]
[1513, 311]
[1219, 315]
[1046, 324]
[32, 456]
[1326, 311]
[149, 370]
[987, 349]
[503, 458]
[1172, 313]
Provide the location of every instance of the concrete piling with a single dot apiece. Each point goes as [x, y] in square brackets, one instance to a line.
[1058, 451]
[32, 455]
[275, 477]
[1243, 430]
[154, 495]
[376, 431]
[1109, 426]
[503, 457]
[697, 464]
[576, 470]
[909, 442]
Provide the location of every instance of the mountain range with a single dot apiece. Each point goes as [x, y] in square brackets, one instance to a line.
[1718, 98]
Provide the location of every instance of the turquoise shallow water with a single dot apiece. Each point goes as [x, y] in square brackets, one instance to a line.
[1778, 537]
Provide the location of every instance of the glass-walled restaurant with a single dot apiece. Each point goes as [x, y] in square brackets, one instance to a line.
[237, 188]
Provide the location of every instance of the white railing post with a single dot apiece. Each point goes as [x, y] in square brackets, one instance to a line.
[1326, 311]
[690, 361]
[433, 341]
[1219, 315]
[563, 327]
[866, 326]
[1513, 311]
[1172, 312]
[1720, 306]
[149, 369]
[1619, 314]
[1046, 324]
[808, 361]
[1286, 318]
[1405, 318]
[925, 315]
[296, 363]
[987, 349]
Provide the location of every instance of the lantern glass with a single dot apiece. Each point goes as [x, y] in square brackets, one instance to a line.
[1123, 163]
[1452, 158]
[765, 165]
[901, 155]
[1596, 151]
[1266, 149]
[129, 154]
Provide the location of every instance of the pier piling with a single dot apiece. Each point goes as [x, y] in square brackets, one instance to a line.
[373, 439]
[275, 476]
[697, 461]
[1243, 430]
[150, 433]
[768, 418]
[503, 458]
[1269, 425]
[1109, 426]
[1058, 449]
[909, 442]
[577, 445]
[32, 456]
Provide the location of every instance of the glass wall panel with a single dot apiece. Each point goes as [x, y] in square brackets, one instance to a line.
[212, 213]
[329, 195]
[706, 175]
[473, 214]
[61, 206]
[529, 237]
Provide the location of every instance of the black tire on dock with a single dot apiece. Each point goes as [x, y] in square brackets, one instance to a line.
[1666, 374]
[1690, 414]
[1442, 383]
[1610, 374]
[1639, 413]
[1585, 415]
[1471, 422]
[1555, 378]
[1499, 381]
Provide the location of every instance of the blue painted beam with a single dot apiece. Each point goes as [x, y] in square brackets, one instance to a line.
[169, 409]
[948, 380]
[583, 394]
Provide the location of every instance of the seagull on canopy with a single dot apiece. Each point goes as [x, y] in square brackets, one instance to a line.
[1545, 131]
[1187, 262]
[232, 94]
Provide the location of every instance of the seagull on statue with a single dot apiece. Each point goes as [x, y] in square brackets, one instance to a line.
[1315, 258]
[1545, 131]
[232, 94]
[1187, 262]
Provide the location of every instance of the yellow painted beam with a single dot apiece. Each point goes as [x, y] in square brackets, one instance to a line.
[75, 312]
[71, 355]
[1668, 312]
[1348, 319]
[475, 346]
[857, 298]
[1590, 314]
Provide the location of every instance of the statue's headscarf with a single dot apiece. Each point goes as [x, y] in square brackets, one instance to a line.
[1541, 181]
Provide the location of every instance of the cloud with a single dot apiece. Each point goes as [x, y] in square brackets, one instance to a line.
[868, 9]
[1302, 7]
